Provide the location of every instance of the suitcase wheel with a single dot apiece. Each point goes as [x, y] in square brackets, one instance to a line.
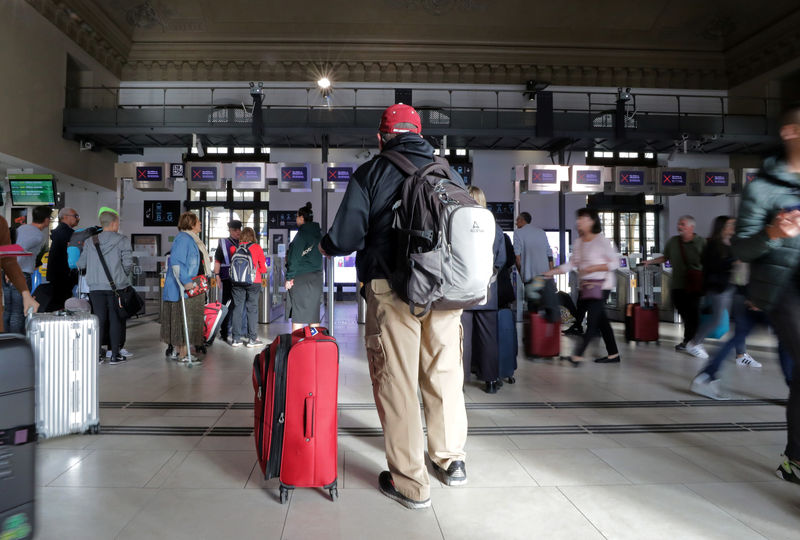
[511, 380]
[334, 493]
[284, 495]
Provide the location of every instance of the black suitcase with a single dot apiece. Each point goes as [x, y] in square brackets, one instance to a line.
[17, 438]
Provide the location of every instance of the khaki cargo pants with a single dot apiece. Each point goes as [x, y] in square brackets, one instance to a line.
[406, 353]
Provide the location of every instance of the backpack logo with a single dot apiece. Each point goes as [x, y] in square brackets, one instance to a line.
[476, 228]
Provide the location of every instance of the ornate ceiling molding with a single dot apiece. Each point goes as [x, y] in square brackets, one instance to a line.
[90, 29]
[425, 72]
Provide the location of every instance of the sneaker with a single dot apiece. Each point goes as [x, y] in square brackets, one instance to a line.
[680, 347]
[168, 352]
[174, 356]
[789, 470]
[255, 343]
[706, 387]
[236, 343]
[126, 353]
[455, 475]
[119, 359]
[747, 360]
[697, 351]
[386, 485]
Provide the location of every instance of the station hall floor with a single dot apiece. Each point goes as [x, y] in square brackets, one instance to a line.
[602, 451]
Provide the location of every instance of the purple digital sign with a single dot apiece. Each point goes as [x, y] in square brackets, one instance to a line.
[673, 178]
[631, 178]
[543, 176]
[589, 177]
[294, 174]
[204, 174]
[248, 173]
[150, 174]
[340, 174]
[717, 178]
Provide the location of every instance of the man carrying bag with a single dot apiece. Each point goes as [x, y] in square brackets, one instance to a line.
[108, 263]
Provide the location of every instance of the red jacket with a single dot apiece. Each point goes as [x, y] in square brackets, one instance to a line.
[259, 261]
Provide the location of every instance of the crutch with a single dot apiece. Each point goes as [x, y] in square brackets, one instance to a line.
[189, 360]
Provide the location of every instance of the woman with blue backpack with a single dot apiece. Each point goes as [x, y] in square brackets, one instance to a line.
[248, 264]
[304, 271]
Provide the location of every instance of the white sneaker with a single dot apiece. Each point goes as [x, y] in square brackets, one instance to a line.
[704, 386]
[697, 351]
[125, 353]
[747, 360]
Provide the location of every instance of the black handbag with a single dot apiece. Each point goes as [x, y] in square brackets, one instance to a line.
[129, 302]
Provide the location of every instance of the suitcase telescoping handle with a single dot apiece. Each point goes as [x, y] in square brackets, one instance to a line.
[308, 418]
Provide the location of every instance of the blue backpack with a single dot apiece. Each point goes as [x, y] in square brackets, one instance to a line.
[243, 270]
[76, 241]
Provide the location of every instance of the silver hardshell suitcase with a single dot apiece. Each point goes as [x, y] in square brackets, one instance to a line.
[65, 348]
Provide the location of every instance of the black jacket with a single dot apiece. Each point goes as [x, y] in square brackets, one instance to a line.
[58, 270]
[364, 220]
[717, 265]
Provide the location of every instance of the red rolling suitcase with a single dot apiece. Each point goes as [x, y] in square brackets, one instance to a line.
[296, 382]
[641, 323]
[542, 338]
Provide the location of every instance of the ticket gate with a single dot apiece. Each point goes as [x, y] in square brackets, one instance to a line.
[623, 293]
[271, 305]
[666, 311]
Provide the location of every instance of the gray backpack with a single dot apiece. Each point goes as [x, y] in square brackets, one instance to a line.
[445, 257]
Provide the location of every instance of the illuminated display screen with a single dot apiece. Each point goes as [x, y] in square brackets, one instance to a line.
[248, 173]
[749, 177]
[623, 262]
[543, 176]
[340, 174]
[717, 178]
[294, 174]
[204, 174]
[590, 177]
[673, 178]
[32, 192]
[631, 178]
[161, 213]
[464, 170]
[150, 174]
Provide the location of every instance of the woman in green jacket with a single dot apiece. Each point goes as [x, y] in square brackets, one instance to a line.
[304, 271]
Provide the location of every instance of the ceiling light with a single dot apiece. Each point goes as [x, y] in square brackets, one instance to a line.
[324, 83]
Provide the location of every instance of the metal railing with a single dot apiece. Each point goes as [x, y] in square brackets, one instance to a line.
[438, 104]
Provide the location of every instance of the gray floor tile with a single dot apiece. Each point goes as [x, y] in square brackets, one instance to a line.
[509, 513]
[653, 465]
[567, 467]
[212, 469]
[115, 468]
[655, 512]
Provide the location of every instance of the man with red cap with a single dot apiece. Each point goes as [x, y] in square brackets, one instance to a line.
[405, 353]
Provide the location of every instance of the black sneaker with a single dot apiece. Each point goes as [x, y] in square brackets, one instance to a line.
[455, 475]
[386, 485]
[789, 470]
[681, 347]
[119, 359]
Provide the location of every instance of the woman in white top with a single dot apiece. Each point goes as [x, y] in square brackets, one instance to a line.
[595, 259]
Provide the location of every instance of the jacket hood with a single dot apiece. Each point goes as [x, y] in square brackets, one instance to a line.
[774, 170]
[108, 238]
[410, 143]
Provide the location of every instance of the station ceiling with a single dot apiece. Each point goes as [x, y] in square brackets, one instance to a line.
[655, 44]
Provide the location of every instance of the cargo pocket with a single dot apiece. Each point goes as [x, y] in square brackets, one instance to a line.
[376, 356]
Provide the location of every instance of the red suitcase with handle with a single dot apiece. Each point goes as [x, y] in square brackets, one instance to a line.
[296, 381]
[542, 338]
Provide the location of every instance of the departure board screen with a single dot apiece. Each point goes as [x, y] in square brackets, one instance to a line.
[717, 178]
[340, 174]
[294, 174]
[203, 174]
[248, 173]
[32, 191]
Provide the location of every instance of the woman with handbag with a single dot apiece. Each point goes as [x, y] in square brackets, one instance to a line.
[595, 259]
[190, 261]
[108, 263]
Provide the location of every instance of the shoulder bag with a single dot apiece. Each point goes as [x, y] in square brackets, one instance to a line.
[129, 302]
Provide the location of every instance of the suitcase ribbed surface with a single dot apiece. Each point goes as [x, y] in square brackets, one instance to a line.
[66, 351]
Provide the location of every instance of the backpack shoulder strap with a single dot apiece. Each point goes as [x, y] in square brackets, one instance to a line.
[400, 161]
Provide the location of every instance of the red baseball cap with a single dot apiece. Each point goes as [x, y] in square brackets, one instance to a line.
[400, 114]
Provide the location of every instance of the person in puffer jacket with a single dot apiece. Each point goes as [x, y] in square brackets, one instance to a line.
[768, 237]
[116, 250]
